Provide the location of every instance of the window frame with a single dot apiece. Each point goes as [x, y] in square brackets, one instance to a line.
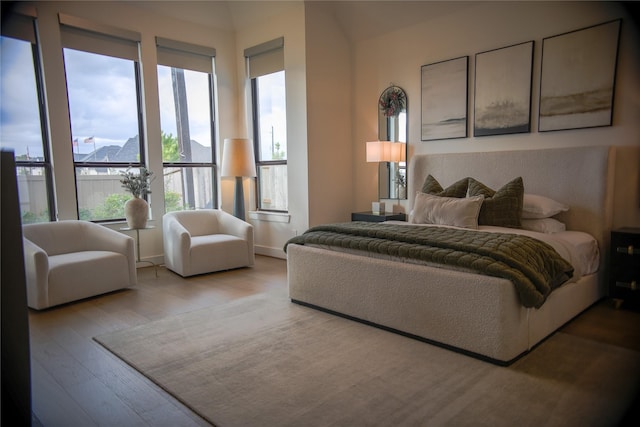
[46, 149]
[187, 50]
[118, 165]
[214, 164]
[46, 164]
[256, 150]
[78, 29]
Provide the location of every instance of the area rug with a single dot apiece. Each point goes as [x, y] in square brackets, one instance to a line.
[264, 361]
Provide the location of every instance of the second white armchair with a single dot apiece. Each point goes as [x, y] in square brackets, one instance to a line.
[206, 240]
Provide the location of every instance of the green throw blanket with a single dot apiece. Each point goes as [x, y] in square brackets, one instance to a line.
[533, 266]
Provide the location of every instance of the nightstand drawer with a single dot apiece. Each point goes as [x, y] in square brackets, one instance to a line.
[625, 245]
[628, 250]
[624, 266]
[632, 284]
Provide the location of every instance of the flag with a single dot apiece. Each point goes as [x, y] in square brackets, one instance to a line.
[88, 140]
[74, 142]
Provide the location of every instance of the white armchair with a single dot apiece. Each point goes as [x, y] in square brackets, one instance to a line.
[206, 240]
[70, 260]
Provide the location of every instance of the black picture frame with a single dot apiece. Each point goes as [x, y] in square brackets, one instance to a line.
[503, 90]
[444, 95]
[577, 79]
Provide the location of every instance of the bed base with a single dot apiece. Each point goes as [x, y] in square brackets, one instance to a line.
[415, 337]
[432, 304]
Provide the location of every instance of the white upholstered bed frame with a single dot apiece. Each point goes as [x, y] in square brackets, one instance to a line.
[471, 313]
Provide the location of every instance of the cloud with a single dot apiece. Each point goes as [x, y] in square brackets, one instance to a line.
[102, 96]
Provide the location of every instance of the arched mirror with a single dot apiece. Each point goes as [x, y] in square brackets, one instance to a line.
[393, 126]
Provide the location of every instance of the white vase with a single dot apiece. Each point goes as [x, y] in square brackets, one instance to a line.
[402, 193]
[136, 211]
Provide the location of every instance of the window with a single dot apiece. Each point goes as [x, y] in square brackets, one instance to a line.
[103, 91]
[270, 138]
[185, 83]
[266, 71]
[22, 118]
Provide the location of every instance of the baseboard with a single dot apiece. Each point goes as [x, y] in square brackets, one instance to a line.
[259, 250]
[269, 251]
[155, 259]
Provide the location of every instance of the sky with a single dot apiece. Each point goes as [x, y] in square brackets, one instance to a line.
[19, 118]
[273, 114]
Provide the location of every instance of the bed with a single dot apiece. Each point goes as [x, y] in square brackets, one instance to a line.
[475, 314]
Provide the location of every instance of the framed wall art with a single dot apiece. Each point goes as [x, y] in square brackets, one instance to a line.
[578, 78]
[444, 99]
[503, 90]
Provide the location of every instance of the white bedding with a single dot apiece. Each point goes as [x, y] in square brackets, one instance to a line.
[578, 248]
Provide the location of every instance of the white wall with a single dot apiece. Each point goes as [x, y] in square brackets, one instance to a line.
[397, 57]
[319, 125]
[271, 231]
[329, 110]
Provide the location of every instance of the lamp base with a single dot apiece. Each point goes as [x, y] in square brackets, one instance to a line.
[238, 202]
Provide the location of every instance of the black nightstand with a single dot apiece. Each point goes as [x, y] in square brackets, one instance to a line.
[373, 217]
[624, 274]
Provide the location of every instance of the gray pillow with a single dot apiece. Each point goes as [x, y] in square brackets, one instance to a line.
[457, 189]
[501, 208]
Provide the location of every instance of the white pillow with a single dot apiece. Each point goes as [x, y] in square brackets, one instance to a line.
[536, 207]
[543, 225]
[429, 209]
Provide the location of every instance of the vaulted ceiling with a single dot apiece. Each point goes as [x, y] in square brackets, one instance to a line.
[358, 19]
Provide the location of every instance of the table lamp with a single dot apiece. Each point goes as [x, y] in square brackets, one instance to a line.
[386, 151]
[378, 151]
[238, 161]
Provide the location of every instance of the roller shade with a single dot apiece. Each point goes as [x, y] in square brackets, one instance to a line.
[265, 58]
[80, 34]
[19, 26]
[185, 55]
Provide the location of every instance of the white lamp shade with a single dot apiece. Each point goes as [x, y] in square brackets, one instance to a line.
[237, 158]
[398, 151]
[378, 151]
[386, 151]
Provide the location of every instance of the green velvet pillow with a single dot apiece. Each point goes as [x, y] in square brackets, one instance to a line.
[501, 208]
[457, 189]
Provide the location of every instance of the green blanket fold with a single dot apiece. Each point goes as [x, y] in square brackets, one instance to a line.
[533, 266]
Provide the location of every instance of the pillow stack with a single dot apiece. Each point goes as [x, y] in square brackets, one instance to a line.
[469, 203]
[537, 213]
[540, 207]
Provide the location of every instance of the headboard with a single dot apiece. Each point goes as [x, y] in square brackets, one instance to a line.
[581, 177]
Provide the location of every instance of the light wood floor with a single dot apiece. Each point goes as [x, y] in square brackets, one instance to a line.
[76, 382]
